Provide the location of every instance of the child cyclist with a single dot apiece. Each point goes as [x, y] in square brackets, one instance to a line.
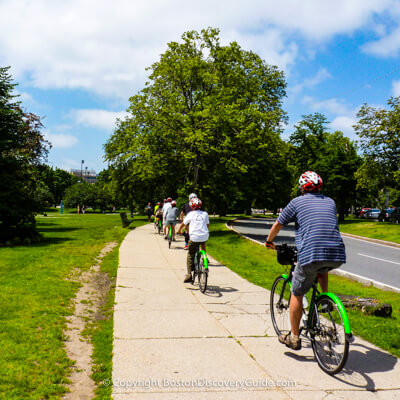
[171, 217]
[196, 223]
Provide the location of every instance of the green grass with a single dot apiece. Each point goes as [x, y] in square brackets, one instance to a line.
[259, 266]
[35, 301]
[371, 229]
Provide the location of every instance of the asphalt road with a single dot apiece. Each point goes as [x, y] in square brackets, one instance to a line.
[367, 260]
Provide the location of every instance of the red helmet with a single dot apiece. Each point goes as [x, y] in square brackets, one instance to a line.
[169, 200]
[310, 181]
[195, 203]
[173, 203]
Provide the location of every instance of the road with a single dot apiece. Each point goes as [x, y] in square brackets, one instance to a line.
[366, 260]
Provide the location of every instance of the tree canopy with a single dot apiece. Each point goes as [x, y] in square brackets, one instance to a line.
[333, 156]
[209, 120]
[22, 147]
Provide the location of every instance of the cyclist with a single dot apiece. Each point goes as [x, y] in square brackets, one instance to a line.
[167, 204]
[320, 246]
[171, 216]
[149, 211]
[186, 210]
[196, 223]
[157, 213]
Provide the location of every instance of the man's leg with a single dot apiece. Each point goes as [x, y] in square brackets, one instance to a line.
[296, 311]
[190, 261]
[323, 281]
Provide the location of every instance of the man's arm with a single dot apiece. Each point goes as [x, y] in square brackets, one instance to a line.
[276, 227]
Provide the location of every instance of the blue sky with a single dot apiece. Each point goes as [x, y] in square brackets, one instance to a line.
[77, 62]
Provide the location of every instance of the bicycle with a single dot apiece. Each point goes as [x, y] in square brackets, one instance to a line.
[326, 323]
[169, 236]
[200, 268]
[159, 226]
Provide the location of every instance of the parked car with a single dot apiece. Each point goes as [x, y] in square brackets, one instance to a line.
[363, 211]
[386, 214]
[373, 213]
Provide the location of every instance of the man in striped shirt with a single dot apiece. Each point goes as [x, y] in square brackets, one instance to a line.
[319, 244]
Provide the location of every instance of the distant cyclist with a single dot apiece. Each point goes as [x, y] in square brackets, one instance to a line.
[186, 210]
[171, 217]
[167, 204]
[197, 223]
[319, 244]
[149, 211]
[157, 213]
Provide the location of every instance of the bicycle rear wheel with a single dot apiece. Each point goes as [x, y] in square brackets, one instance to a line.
[202, 273]
[279, 305]
[169, 237]
[328, 338]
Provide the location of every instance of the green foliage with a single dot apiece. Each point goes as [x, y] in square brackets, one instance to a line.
[22, 146]
[379, 130]
[57, 181]
[333, 156]
[208, 121]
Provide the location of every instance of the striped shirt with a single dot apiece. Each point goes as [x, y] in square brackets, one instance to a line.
[317, 231]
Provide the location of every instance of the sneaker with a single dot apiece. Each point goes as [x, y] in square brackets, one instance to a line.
[188, 278]
[286, 338]
[326, 307]
[186, 247]
[165, 237]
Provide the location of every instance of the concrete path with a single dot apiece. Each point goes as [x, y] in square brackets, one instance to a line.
[173, 342]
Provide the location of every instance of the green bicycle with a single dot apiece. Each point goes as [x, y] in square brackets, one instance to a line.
[326, 323]
[200, 268]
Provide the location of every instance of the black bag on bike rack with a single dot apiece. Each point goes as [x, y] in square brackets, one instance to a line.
[285, 255]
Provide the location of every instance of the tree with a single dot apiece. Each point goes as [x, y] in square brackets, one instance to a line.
[331, 155]
[57, 180]
[22, 147]
[379, 130]
[209, 120]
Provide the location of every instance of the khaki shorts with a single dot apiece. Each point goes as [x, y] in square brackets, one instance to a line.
[304, 275]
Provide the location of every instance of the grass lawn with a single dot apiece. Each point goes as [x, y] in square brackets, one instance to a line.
[371, 229]
[259, 266]
[35, 300]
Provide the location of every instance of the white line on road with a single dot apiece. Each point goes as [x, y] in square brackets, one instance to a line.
[380, 259]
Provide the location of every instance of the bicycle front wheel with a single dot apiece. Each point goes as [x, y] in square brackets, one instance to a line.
[279, 305]
[202, 273]
[328, 338]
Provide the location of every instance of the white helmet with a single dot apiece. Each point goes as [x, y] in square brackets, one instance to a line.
[310, 181]
[192, 196]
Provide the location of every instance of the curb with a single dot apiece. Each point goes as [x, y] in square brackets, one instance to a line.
[366, 239]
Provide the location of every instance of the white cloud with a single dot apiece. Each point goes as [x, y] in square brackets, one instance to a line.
[61, 140]
[103, 47]
[388, 46]
[101, 119]
[309, 83]
[396, 88]
[345, 124]
[333, 106]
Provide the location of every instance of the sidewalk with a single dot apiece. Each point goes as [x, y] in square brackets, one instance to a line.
[173, 342]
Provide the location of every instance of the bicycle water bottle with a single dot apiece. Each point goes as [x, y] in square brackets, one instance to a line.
[305, 302]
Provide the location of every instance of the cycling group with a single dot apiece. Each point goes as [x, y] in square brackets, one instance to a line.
[319, 249]
[194, 226]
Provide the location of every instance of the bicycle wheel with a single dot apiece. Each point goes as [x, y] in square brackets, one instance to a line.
[159, 227]
[169, 237]
[328, 338]
[202, 273]
[279, 305]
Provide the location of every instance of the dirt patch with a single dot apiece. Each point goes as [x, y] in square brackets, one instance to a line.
[88, 305]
